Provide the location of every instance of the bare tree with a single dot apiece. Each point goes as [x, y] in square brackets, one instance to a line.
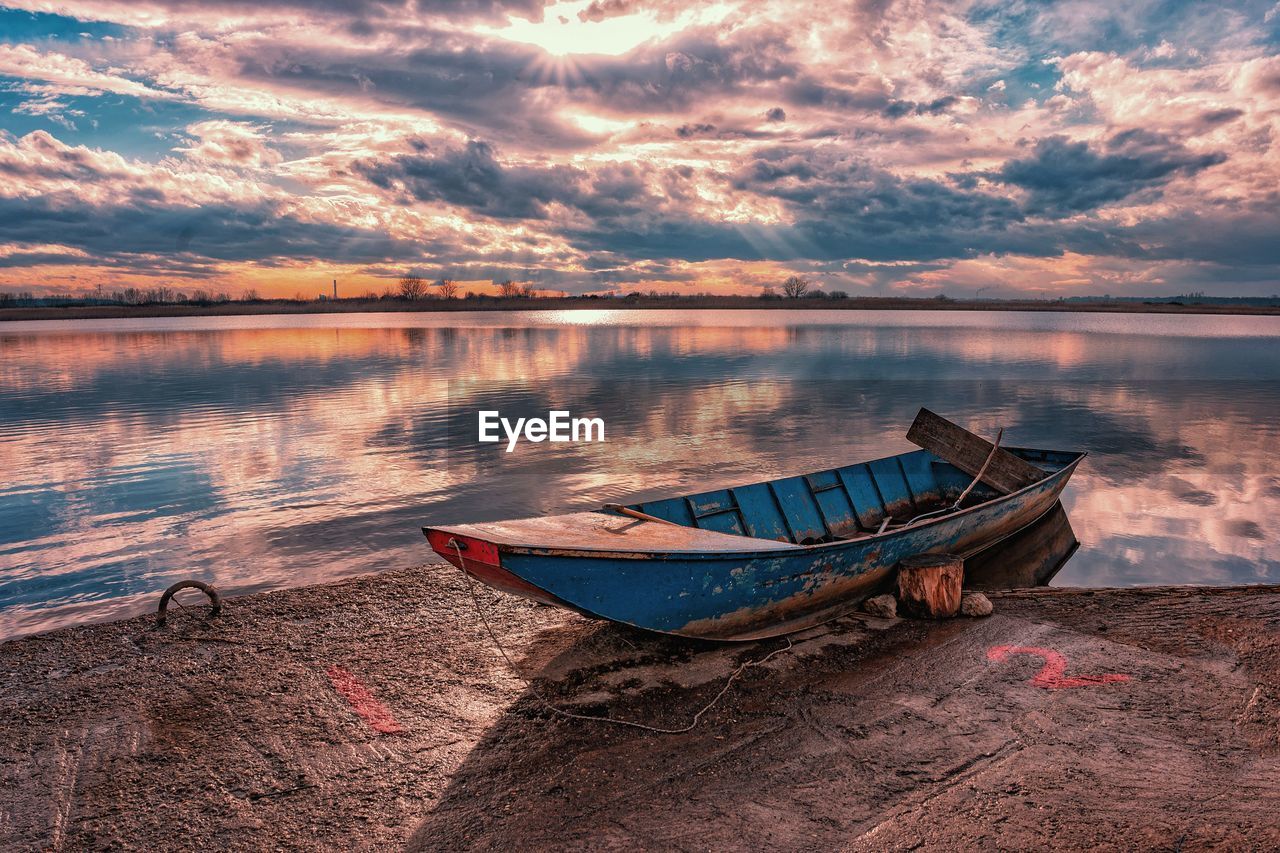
[795, 286]
[508, 289]
[527, 291]
[412, 287]
[249, 295]
[448, 288]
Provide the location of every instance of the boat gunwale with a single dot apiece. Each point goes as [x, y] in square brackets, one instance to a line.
[793, 549]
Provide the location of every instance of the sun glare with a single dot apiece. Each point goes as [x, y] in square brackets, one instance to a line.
[561, 32]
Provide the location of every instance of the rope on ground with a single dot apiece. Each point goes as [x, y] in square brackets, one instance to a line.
[475, 599]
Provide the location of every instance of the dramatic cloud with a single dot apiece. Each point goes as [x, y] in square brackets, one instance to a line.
[1064, 177]
[230, 144]
[470, 177]
[1060, 147]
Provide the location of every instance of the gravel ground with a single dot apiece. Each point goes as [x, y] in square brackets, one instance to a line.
[243, 732]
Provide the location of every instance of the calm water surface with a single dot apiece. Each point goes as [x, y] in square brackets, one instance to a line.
[264, 452]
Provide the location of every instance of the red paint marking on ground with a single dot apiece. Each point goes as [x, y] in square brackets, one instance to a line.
[369, 709]
[1052, 675]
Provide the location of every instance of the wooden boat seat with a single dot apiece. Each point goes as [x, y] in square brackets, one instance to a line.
[828, 506]
[598, 531]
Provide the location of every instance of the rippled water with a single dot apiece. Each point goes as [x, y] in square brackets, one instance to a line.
[270, 451]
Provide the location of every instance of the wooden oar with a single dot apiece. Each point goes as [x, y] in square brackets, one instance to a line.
[635, 513]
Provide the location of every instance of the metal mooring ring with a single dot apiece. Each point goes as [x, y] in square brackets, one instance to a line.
[207, 589]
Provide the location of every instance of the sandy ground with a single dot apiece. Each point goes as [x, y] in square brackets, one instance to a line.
[865, 735]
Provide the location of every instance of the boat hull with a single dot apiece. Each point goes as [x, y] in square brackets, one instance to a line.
[747, 595]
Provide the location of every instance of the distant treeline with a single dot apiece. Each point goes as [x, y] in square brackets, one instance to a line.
[166, 302]
[127, 296]
[415, 291]
[1197, 298]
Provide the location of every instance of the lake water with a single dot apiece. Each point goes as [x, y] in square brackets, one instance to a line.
[262, 452]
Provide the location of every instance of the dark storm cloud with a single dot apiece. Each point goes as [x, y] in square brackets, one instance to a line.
[898, 109]
[852, 209]
[1213, 118]
[484, 87]
[867, 94]
[221, 232]
[693, 66]
[1063, 177]
[1240, 236]
[707, 130]
[842, 207]
[471, 177]
[631, 209]
[43, 258]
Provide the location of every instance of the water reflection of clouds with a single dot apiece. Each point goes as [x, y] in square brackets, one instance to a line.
[266, 457]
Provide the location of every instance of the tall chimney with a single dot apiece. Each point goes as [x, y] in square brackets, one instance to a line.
[335, 288]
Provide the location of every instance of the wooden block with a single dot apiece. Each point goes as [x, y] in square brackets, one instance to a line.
[929, 585]
[1006, 473]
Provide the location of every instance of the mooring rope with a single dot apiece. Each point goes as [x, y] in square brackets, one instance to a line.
[475, 599]
[982, 470]
[956, 506]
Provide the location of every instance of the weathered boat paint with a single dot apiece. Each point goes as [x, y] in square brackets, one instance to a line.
[696, 585]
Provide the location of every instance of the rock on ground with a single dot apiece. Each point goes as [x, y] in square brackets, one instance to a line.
[975, 604]
[885, 606]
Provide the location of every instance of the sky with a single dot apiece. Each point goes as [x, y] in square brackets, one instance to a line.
[879, 148]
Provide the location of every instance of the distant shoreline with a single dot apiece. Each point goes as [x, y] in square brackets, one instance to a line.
[353, 306]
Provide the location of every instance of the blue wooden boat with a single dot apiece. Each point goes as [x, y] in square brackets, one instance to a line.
[753, 561]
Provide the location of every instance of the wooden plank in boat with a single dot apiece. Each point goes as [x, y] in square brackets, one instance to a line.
[760, 512]
[862, 492]
[800, 508]
[833, 503]
[598, 531]
[892, 486]
[918, 468]
[1006, 473]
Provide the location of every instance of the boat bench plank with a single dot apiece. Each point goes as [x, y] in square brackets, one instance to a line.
[799, 508]
[761, 513]
[1006, 472]
[892, 485]
[599, 531]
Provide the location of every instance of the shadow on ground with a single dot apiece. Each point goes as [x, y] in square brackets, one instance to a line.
[878, 734]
